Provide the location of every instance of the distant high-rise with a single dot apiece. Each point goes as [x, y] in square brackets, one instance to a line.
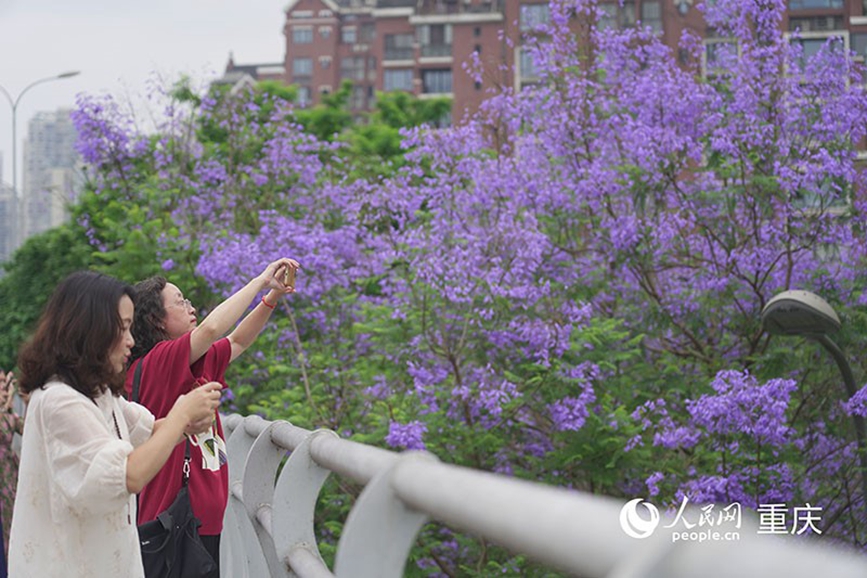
[51, 180]
[8, 219]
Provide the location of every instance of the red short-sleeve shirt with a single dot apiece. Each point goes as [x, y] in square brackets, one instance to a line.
[166, 375]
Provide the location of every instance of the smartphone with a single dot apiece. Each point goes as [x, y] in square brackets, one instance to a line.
[289, 277]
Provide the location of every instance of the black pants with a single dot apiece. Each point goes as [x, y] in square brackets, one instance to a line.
[212, 545]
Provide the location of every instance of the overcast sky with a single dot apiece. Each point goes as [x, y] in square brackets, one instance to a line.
[118, 44]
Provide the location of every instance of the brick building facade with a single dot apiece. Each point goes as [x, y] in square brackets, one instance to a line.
[416, 46]
[421, 46]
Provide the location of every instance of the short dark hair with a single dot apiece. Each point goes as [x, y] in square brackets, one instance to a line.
[75, 335]
[150, 316]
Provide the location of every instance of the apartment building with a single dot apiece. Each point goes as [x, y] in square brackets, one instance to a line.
[419, 46]
[422, 46]
[51, 176]
[8, 219]
[242, 74]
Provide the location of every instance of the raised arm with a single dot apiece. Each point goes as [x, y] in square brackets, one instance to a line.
[227, 313]
[251, 326]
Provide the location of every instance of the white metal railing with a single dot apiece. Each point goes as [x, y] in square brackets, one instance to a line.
[269, 527]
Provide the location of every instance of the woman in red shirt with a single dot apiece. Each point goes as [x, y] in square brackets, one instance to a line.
[177, 353]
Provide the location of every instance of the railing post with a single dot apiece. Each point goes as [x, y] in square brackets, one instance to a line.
[380, 530]
[260, 470]
[241, 554]
[295, 499]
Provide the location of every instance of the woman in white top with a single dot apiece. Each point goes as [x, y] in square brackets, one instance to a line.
[86, 451]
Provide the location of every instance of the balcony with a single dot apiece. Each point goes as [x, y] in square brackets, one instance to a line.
[399, 53]
[436, 50]
[815, 4]
[442, 7]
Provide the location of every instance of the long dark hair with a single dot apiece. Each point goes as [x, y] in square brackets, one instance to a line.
[74, 337]
[150, 316]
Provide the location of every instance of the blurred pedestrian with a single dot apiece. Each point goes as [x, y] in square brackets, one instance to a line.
[10, 423]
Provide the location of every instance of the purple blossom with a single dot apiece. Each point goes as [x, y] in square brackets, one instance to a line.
[857, 404]
[408, 436]
[570, 413]
[742, 405]
[652, 481]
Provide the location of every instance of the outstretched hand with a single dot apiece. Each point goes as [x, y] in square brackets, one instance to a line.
[274, 274]
[200, 403]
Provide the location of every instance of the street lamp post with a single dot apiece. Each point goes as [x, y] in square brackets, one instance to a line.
[13, 102]
[808, 315]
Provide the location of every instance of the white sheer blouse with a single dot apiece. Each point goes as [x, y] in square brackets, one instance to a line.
[73, 515]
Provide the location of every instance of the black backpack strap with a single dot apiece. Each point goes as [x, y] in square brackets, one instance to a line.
[136, 380]
[186, 471]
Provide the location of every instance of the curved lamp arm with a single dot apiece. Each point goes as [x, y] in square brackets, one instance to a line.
[14, 104]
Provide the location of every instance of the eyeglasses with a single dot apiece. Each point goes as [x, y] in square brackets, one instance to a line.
[186, 304]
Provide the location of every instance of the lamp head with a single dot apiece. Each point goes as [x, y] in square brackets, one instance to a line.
[69, 74]
[799, 313]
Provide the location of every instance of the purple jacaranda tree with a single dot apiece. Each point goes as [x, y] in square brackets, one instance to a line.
[566, 285]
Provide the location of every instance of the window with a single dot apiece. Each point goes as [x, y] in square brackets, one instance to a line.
[435, 39]
[613, 15]
[533, 15]
[302, 67]
[814, 4]
[398, 46]
[358, 97]
[528, 70]
[303, 95]
[302, 35]
[324, 62]
[325, 32]
[436, 81]
[811, 46]
[822, 196]
[397, 79]
[352, 67]
[718, 54]
[816, 23]
[368, 32]
[858, 41]
[349, 35]
[651, 15]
